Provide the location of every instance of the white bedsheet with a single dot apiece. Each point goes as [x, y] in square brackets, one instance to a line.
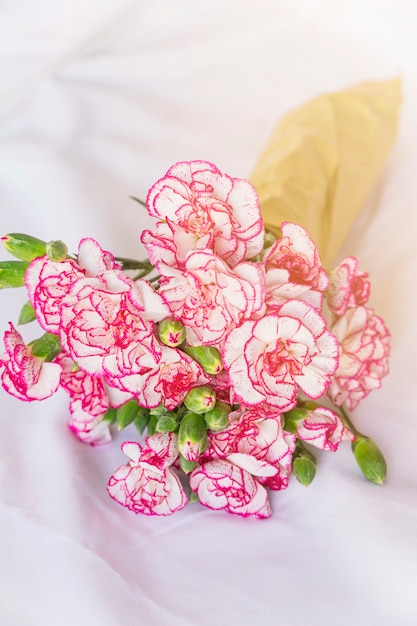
[97, 100]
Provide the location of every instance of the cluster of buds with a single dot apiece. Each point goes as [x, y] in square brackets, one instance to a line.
[227, 358]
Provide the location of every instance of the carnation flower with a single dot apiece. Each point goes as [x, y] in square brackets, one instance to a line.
[364, 353]
[293, 269]
[25, 376]
[199, 207]
[323, 429]
[147, 484]
[105, 327]
[88, 405]
[168, 382]
[227, 484]
[209, 297]
[269, 359]
[349, 287]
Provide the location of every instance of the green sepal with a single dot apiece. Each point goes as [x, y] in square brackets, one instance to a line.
[27, 314]
[207, 356]
[24, 247]
[292, 417]
[126, 414]
[12, 274]
[370, 459]
[186, 466]
[46, 347]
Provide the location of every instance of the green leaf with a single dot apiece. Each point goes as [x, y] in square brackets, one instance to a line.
[126, 414]
[153, 420]
[110, 416]
[12, 274]
[46, 347]
[27, 314]
[24, 247]
[141, 420]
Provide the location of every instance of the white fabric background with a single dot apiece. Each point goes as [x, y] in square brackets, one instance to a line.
[97, 100]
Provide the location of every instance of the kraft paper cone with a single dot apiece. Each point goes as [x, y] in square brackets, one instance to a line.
[323, 160]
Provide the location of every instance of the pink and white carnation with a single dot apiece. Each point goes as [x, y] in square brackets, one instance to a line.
[348, 288]
[89, 403]
[293, 269]
[270, 359]
[169, 382]
[323, 429]
[107, 325]
[199, 207]
[231, 484]
[364, 355]
[258, 433]
[147, 484]
[25, 376]
[210, 298]
[48, 282]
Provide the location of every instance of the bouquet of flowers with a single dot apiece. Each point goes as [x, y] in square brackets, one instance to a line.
[232, 346]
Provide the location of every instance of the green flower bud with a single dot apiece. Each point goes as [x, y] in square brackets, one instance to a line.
[167, 423]
[207, 356]
[192, 436]
[24, 247]
[200, 399]
[370, 459]
[27, 314]
[304, 465]
[46, 347]
[218, 417]
[171, 332]
[12, 273]
[57, 250]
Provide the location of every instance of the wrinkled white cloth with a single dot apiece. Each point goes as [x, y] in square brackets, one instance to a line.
[97, 100]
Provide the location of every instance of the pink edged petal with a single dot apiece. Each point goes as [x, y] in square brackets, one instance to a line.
[251, 464]
[93, 259]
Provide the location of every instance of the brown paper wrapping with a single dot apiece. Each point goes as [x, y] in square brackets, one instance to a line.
[323, 160]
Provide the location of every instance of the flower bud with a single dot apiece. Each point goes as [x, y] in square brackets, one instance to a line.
[207, 356]
[192, 436]
[12, 273]
[200, 399]
[167, 423]
[57, 250]
[24, 247]
[304, 465]
[370, 459]
[218, 417]
[171, 332]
